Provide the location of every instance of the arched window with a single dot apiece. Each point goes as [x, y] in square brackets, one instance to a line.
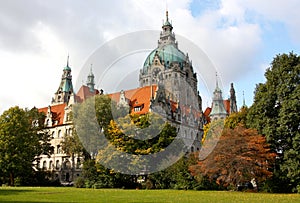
[67, 165]
[58, 151]
[48, 122]
[44, 165]
[51, 165]
[78, 163]
[52, 134]
[59, 134]
[192, 149]
[57, 164]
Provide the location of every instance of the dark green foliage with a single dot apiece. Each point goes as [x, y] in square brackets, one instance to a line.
[21, 141]
[91, 120]
[96, 176]
[275, 113]
[176, 176]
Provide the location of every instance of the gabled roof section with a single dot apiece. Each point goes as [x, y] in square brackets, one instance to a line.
[58, 113]
[139, 98]
[227, 105]
[84, 93]
[206, 114]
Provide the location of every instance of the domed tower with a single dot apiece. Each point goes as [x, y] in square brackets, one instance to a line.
[169, 67]
[65, 92]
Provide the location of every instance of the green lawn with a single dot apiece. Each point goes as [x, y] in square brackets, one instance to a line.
[64, 194]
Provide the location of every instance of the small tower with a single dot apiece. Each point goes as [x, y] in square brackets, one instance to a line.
[91, 80]
[166, 36]
[232, 99]
[65, 92]
[244, 103]
[218, 110]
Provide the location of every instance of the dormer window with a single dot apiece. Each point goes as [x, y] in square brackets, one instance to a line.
[137, 108]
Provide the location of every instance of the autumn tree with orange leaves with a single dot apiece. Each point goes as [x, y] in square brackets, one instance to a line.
[240, 155]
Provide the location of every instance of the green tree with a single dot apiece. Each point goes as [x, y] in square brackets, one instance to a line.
[124, 148]
[21, 141]
[275, 113]
[176, 176]
[91, 119]
[72, 146]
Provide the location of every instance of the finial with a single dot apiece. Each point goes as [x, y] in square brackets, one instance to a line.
[217, 84]
[167, 16]
[68, 60]
[91, 68]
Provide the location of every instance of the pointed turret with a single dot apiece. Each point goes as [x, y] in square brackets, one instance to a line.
[232, 99]
[91, 80]
[244, 103]
[65, 92]
[218, 110]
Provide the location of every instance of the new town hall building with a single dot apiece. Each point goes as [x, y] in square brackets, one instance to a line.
[167, 85]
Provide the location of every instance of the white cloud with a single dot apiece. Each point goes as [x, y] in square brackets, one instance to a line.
[36, 36]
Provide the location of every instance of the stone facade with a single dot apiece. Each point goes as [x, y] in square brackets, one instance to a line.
[168, 86]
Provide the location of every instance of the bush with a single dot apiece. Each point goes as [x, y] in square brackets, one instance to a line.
[79, 182]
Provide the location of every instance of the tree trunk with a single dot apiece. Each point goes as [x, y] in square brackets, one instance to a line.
[11, 179]
[73, 167]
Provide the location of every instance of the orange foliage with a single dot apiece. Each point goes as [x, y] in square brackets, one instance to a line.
[240, 155]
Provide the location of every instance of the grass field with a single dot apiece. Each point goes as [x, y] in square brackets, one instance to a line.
[64, 194]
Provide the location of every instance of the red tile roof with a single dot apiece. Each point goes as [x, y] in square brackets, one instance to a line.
[206, 114]
[227, 105]
[208, 109]
[84, 93]
[139, 97]
[58, 112]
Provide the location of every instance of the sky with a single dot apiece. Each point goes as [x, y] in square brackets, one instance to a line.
[239, 37]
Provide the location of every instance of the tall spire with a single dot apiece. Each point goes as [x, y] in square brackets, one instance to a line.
[244, 103]
[233, 106]
[167, 15]
[218, 110]
[64, 93]
[217, 84]
[90, 80]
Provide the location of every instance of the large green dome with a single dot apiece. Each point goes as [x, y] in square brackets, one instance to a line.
[167, 53]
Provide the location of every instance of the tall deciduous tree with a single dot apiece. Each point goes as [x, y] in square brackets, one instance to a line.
[240, 155]
[91, 119]
[275, 113]
[21, 141]
[72, 146]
